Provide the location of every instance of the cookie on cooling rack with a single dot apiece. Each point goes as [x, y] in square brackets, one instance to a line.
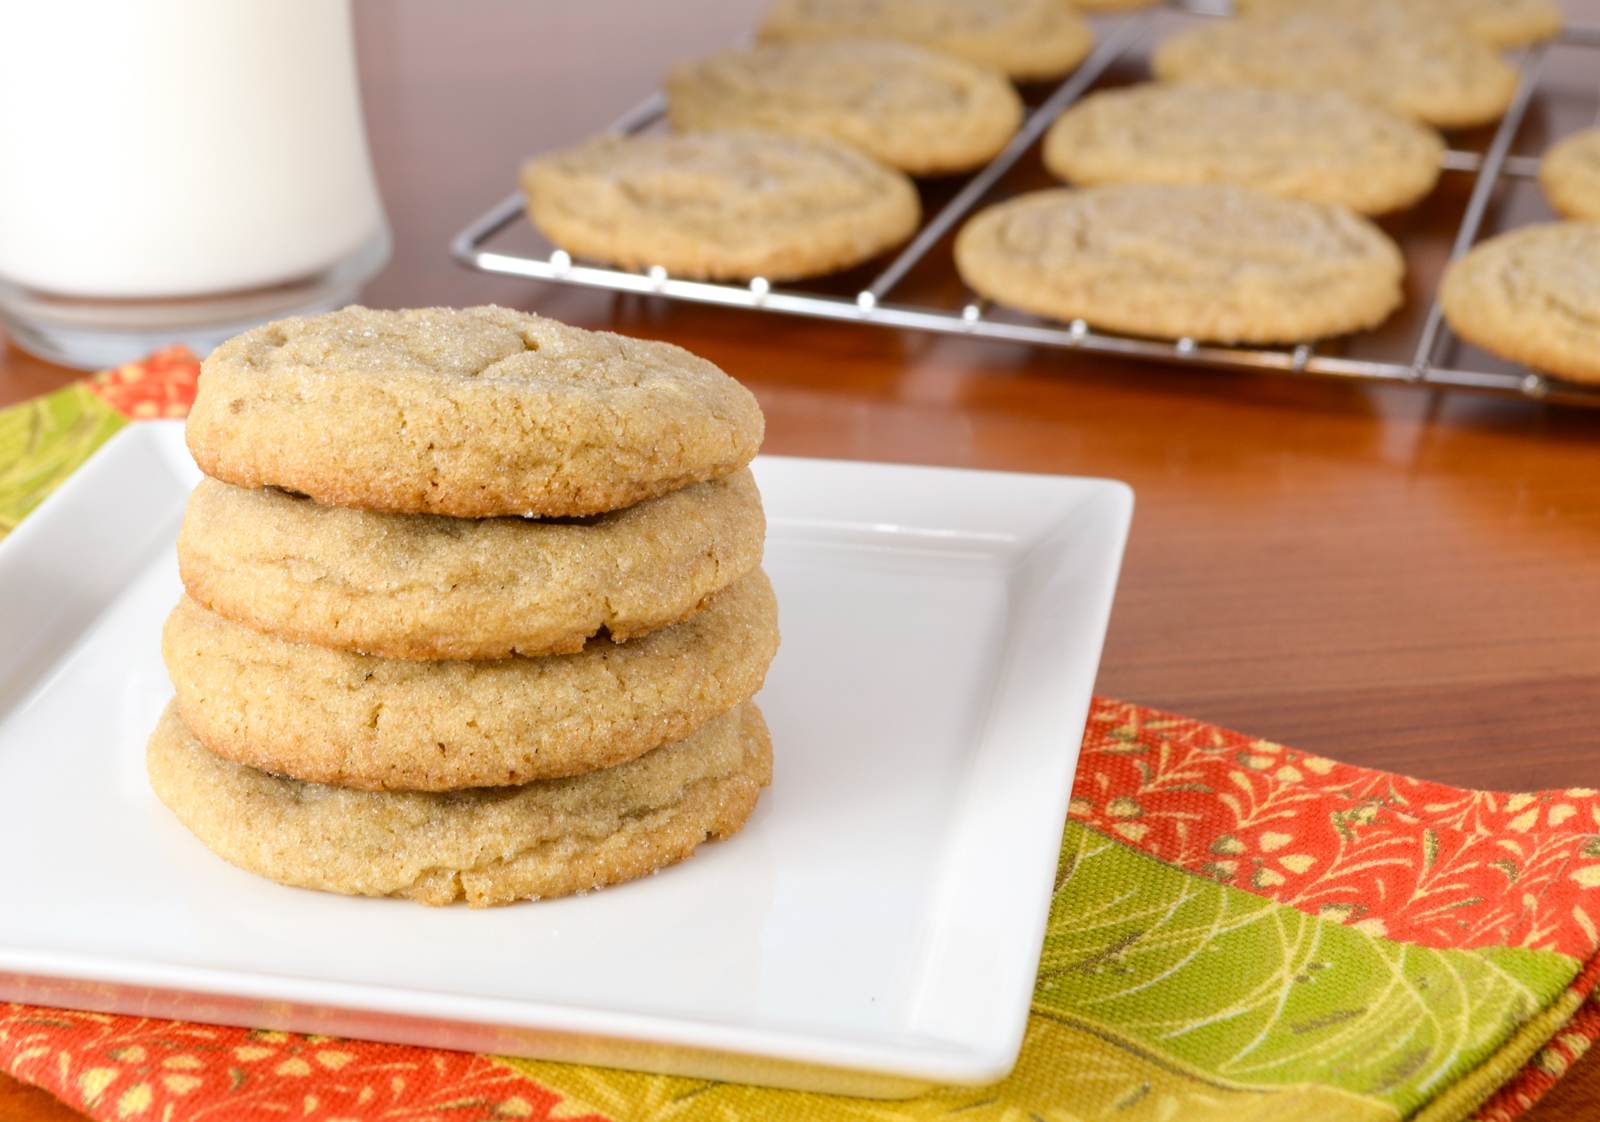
[922, 111]
[1499, 23]
[1532, 296]
[470, 412]
[1321, 145]
[1570, 175]
[1416, 67]
[1027, 39]
[1205, 261]
[487, 846]
[728, 205]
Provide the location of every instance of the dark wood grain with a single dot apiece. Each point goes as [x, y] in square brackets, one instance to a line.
[1400, 579]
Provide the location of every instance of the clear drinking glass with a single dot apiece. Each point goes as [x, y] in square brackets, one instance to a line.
[177, 170]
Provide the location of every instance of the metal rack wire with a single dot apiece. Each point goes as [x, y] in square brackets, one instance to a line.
[870, 304]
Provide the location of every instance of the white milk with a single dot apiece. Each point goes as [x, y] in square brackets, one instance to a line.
[167, 148]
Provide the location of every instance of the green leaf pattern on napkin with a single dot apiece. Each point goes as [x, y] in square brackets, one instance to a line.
[1252, 991]
[43, 441]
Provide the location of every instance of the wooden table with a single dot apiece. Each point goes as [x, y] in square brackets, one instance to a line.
[1401, 579]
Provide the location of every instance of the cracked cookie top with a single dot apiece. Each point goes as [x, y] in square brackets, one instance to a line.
[1209, 261]
[421, 586]
[325, 716]
[919, 110]
[1532, 296]
[472, 412]
[731, 204]
[1387, 55]
[1030, 40]
[1321, 145]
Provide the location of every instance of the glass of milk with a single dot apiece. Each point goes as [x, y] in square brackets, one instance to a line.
[177, 170]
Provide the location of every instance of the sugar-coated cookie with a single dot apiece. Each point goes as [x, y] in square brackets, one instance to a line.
[487, 846]
[469, 412]
[1570, 175]
[1499, 23]
[727, 205]
[1426, 70]
[1532, 296]
[327, 716]
[423, 586]
[1027, 39]
[1321, 145]
[919, 110]
[1205, 261]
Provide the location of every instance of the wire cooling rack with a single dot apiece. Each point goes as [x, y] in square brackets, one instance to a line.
[1407, 352]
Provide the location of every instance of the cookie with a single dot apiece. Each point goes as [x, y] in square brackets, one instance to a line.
[1206, 261]
[1424, 70]
[421, 586]
[921, 111]
[1499, 23]
[1532, 296]
[487, 846]
[1320, 145]
[387, 724]
[723, 205]
[1027, 39]
[1570, 175]
[473, 412]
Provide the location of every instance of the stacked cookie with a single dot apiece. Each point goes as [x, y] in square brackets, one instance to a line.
[473, 607]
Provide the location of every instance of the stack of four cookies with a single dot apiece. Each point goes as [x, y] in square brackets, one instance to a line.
[473, 607]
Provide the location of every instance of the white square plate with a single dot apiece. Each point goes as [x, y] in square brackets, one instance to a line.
[876, 927]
